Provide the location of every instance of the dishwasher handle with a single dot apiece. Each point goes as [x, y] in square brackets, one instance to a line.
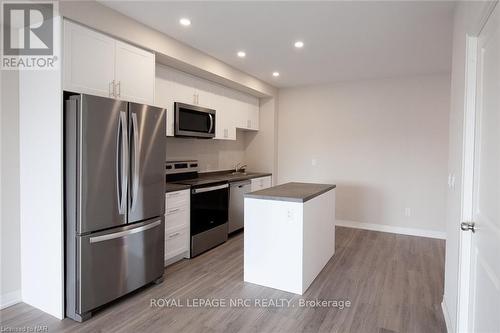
[241, 184]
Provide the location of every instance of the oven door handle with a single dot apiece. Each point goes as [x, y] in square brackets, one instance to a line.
[208, 189]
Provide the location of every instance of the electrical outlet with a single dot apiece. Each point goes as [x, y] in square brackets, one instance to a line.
[407, 212]
[289, 216]
[314, 162]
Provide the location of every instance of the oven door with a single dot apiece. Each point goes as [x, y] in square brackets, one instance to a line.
[194, 121]
[209, 207]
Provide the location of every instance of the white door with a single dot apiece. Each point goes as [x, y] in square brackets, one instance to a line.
[89, 61]
[484, 306]
[135, 73]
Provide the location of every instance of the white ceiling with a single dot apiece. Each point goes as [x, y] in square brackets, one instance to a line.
[343, 40]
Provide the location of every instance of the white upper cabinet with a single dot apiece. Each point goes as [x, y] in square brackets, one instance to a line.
[164, 94]
[233, 108]
[100, 65]
[250, 114]
[183, 88]
[134, 73]
[246, 111]
[253, 115]
[225, 128]
[89, 61]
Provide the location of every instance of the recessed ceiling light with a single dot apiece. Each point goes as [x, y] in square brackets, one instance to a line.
[299, 44]
[185, 22]
[241, 54]
[276, 74]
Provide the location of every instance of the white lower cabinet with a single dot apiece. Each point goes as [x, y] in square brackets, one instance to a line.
[177, 217]
[261, 183]
[175, 244]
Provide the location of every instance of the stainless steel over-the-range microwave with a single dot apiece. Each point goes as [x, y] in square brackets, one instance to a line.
[194, 121]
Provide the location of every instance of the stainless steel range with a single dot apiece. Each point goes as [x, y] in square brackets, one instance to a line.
[209, 205]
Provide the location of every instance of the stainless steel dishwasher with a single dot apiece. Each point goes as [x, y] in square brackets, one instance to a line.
[237, 191]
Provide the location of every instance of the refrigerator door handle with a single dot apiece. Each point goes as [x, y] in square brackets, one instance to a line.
[136, 161]
[123, 163]
[124, 233]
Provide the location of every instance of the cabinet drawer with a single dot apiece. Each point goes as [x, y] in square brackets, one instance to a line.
[176, 242]
[177, 217]
[266, 182]
[176, 199]
[261, 183]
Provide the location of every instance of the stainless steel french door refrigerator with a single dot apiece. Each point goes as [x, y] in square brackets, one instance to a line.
[114, 200]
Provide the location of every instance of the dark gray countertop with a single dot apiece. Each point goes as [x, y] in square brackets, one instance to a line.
[219, 177]
[295, 192]
[171, 187]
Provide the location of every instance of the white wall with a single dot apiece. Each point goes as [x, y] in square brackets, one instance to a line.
[213, 155]
[41, 185]
[10, 265]
[383, 142]
[468, 17]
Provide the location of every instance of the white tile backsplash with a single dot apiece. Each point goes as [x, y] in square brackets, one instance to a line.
[212, 155]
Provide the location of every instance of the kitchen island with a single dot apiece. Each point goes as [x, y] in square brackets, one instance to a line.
[289, 235]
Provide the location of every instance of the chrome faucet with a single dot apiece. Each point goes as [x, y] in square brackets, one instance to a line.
[239, 167]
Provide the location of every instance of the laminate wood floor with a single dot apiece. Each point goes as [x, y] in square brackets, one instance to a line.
[394, 284]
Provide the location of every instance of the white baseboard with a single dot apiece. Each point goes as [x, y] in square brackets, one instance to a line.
[446, 314]
[392, 229]
[9, 299]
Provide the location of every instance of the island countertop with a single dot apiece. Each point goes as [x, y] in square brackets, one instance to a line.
[294, 192]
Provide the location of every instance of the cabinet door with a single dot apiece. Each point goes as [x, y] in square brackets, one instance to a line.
[204, 91]
[89, 59]
[256, 184]
[261, 183]
[164, 94]
[183, 85]
[225, 127]
[266, 182]
[253, 115]
[176, 242]
[135, 73]
[251, 112]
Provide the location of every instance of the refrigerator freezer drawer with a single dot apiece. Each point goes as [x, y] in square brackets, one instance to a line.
[113, 263]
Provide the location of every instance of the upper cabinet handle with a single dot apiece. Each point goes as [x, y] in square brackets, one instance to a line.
[112, 88]
[119, 84]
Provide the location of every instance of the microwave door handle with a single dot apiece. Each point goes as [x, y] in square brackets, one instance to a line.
[211, 122]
